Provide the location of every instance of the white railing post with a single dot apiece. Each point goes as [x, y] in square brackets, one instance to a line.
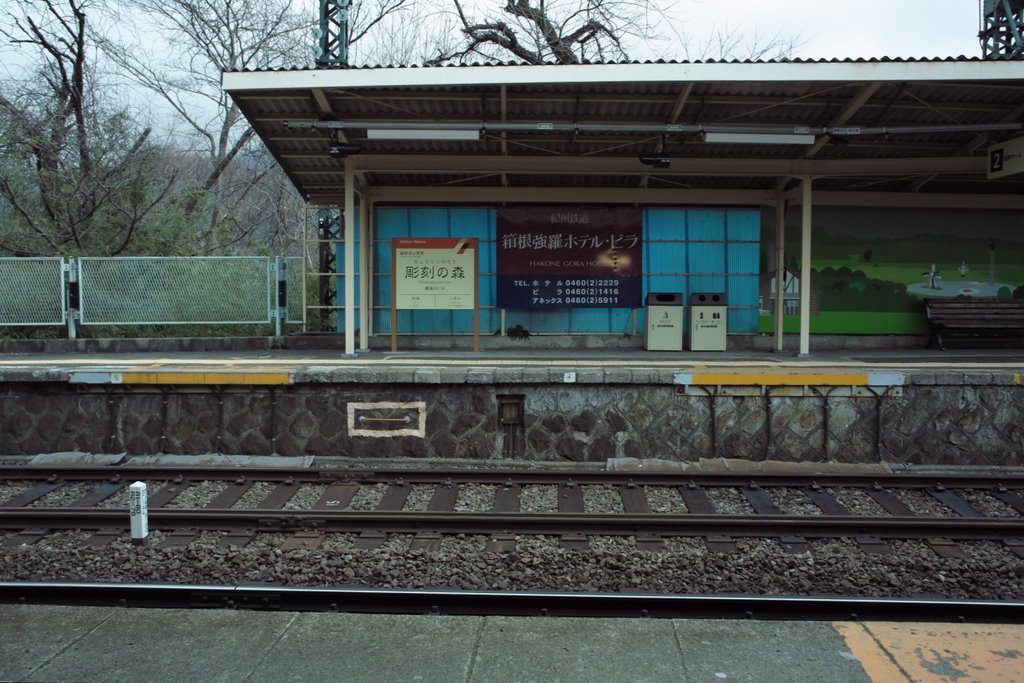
[74, 296]
[280, 308]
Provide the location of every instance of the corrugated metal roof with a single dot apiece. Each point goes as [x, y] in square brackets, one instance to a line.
[943, 103]
[793, 60]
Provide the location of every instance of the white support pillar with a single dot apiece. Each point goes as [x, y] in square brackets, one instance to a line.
[350, 259]
[805, 269]
[371, 235]
[780, 269]
[304, 265]
[364, 275]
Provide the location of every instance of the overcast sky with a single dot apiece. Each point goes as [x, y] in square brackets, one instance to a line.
[848, 28]
[827, 28]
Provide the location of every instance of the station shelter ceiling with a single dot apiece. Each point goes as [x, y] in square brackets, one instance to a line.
[898, 132]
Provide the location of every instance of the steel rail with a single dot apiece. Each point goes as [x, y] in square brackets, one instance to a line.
[513, 603]
[813, 526]
[504, 476]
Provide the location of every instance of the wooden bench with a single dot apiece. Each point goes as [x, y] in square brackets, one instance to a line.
[975, 321]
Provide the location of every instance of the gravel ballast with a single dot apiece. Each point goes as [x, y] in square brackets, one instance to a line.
[11, 489]
[760, 566]
[989, 570]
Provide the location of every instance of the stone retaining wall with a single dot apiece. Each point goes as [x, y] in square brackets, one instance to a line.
[941, 418]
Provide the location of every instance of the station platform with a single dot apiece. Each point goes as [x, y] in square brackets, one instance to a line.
[596, 366]
[83, 644]
[528, 402]
[543, 351]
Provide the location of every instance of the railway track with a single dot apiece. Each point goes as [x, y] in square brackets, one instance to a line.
[511, 603]
[429, 505]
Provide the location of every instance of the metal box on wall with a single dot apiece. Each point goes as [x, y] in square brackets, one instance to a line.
[664, 322]
[708, 315]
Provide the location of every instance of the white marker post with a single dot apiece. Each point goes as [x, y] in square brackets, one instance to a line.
[138, 508]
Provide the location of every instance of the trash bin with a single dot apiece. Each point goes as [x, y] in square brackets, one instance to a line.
[664, 322]
[707, 321]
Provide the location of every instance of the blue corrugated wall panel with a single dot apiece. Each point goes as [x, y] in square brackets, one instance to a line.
[596, 320]
[664, 256]
[743, 230]
[388, 223]
[743, 225]
[434, 222]
[705, 224]
[664, 224]
[685, 251]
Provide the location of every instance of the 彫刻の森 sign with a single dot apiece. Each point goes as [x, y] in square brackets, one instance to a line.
[435, 273]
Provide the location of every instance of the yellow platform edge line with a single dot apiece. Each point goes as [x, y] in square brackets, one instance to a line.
[876, 662]
[780, 379]
[206, 378]
[948, 651]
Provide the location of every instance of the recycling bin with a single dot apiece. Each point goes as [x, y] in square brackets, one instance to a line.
[664, 322]
[707, 321]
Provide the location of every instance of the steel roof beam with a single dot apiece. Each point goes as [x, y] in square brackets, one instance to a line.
[324, 105]
[470, 98]
[665, 196]
[971, 146]
[649, 128]
[401, 163]
[852, 107]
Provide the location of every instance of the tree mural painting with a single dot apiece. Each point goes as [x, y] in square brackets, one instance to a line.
[874, 267]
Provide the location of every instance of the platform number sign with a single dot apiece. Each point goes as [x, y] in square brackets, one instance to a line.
[1006, 158]
[995, 160]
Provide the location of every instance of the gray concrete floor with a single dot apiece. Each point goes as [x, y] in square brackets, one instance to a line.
[632, 357]
[83, 644]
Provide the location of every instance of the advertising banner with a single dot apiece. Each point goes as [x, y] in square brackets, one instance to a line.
[569, 257]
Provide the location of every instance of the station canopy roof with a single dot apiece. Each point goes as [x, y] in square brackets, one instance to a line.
[906, 132]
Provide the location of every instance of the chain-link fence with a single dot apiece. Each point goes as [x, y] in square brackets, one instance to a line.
[151, 290]
[295, 283]
[32, 291]
[166, 290]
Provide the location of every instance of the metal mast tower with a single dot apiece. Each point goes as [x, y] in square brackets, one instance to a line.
[332, 48]
[333, 34]
[1002, 29]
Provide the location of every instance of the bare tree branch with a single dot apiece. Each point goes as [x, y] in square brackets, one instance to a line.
[68, 162]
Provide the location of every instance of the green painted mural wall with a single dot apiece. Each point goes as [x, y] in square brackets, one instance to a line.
[872, 268]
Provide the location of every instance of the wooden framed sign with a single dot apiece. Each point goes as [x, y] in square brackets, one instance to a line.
[435, 273]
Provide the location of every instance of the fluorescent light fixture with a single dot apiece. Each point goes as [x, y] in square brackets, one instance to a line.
[421, 134]
[656, 162]
[762, 138]
[340, 150]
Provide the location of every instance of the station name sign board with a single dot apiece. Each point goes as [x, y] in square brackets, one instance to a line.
[1006, 158]
[569, 257]
[435, 273]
